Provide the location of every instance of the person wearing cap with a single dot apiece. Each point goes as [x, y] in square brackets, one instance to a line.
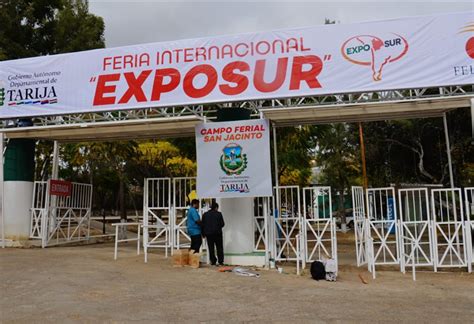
[194, 226]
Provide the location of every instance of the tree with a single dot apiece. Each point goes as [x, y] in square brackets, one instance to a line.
[41, 27]
[338, 158]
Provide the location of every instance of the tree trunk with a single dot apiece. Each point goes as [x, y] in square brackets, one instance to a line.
[123, 210]
[342, 210]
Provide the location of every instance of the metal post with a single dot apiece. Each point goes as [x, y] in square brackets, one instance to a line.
[277, 193]
[2, 200]
[448, 150]
[362, 152]
[472, 119]
[55, 172]
[265, 226]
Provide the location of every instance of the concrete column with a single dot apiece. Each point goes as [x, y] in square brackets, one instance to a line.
[18, 188]
[238, 231]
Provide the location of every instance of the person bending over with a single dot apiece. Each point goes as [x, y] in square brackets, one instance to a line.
[212, 224]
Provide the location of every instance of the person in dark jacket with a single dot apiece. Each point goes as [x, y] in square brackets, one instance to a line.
[212, 224]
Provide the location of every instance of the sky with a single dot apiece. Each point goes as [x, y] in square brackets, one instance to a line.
[136, 22]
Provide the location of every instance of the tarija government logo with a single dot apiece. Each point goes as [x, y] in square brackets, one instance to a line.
[232, 160]
[374, 51]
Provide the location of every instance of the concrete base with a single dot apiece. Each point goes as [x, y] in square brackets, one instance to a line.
[18, 199]
[256, 259]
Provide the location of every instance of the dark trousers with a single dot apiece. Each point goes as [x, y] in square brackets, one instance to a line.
[214, 242]
[196, 241]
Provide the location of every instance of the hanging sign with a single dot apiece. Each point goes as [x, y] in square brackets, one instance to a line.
[233, 159]
[404, 53]
[60, 188]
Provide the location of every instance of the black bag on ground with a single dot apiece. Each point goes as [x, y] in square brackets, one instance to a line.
[318, 271]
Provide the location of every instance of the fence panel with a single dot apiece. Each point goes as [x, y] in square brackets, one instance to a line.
[448, 228]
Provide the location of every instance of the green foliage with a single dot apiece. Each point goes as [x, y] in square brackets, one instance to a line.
[40, 27]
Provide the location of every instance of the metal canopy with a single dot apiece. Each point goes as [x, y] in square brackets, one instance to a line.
[110, 130]
[179, 121]
[365, 112]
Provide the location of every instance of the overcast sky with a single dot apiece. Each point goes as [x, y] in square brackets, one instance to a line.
[134, 22]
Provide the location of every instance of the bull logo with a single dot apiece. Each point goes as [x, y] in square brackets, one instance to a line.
[469, 28]
[375, 52]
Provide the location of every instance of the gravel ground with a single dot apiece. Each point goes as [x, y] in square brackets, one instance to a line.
[84, 284]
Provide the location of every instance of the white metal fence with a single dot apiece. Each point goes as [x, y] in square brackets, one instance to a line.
[360, 224]
[415, 226]
[382, 226]
[60, 219]
[157, 214]
[469, 225]
[319, 227]
[449, 236]
[430, 228]
[288, 222]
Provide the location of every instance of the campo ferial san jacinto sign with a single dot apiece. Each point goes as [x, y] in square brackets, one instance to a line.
[233, 159]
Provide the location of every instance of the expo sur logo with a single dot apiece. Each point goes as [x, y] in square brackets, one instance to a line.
[373, 51]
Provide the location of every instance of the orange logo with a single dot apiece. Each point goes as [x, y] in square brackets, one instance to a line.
[374, 51]
[470, 42]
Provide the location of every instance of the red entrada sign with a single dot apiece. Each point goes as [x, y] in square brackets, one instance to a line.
[60, 188]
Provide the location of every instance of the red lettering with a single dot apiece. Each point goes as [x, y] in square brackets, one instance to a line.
[135, 86]
[102, 89]
[277, 82]
[241, 81]
[310, 76]
[159, 87]
[189, 87]
[106, 63]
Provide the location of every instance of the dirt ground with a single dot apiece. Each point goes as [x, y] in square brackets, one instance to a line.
[85, 284]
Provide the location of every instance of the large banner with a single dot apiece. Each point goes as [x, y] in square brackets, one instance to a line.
[233, 159]
[403, 53]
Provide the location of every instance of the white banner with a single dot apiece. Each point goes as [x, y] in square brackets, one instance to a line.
[233, 159]
[382, 55]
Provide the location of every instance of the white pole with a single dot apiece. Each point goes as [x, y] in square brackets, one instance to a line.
[55, 172]
[448, 150]
[2, 210]
[472, 118]
[265, 226]
[277, 192]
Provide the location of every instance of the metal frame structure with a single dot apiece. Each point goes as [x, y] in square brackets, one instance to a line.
[260, 228]
[415, 228]
[448, 229]
[182, 187]
[319, 227]
[157, 226]
[382, 232]
[65, 220]
[360, 224]
[449, 96]
[289, 223]
[469, 226]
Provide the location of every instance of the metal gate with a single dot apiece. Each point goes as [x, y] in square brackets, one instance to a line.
[469, 225]
[261, 207]
[448, 228]
[288, 222]
[183, 190]
[157, 214]
[382, 227]
[360, 224]
[415, 228]
[319, 227]
[60, 219]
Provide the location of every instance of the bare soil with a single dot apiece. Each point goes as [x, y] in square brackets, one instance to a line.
[84, 284]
